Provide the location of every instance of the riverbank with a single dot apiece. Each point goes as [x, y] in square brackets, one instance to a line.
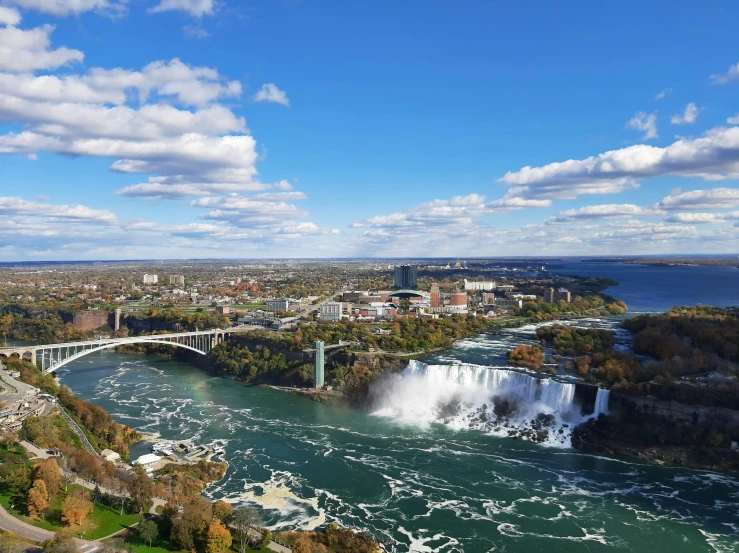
[302, 464]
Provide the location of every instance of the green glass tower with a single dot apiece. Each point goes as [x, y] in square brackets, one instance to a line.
[318, 365]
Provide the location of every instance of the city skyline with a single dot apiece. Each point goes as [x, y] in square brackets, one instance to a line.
[185, 129]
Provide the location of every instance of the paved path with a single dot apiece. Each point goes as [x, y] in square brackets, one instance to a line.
[37, 451]
[10, 523]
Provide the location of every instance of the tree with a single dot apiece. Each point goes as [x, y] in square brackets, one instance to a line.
[18, 481]
[140, 490]
[223, 511]
[67, 476]
[76, 507]
[196, 516]
[149, 531]
[62, 542]
[266, 539]
[244, 520]
[218, 538]
[38, 499]
[48, 471]
[302, 544]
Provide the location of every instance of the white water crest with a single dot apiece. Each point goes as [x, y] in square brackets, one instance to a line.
[497, 400]
[601, 402]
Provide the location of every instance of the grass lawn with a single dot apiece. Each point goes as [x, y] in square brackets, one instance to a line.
[103, 520]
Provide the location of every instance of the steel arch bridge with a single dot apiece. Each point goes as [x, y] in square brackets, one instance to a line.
[55, 356]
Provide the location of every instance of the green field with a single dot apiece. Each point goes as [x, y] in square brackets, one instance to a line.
[102, 522]
[164, 545]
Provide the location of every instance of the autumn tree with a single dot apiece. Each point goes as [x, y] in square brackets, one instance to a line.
[218, 537]
[38, 499]
[48, 471]
[194, 520]
[62, 542]
[140, 490]
[223, 511]
[76, 507]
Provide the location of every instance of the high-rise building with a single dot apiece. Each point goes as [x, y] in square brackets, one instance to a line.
[435, 295]
[318, 365]
[553, 295]
[178, 280]
[406, 277]
[151, 279]
[332, 311]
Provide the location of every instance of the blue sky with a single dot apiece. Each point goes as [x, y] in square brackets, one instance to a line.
[206, 128]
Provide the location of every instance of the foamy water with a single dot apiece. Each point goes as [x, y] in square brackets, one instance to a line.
[421, 487]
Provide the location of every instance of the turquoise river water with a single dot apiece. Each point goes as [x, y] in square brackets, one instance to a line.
[407, 478]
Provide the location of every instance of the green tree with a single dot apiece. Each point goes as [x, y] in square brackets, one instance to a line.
[149, 531]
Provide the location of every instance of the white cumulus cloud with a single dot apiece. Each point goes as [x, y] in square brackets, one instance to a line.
[270, 93]
[689, 115]
[646, 123]
[196, 8]
[732, 74]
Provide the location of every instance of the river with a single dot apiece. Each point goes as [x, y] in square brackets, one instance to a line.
[419, 485]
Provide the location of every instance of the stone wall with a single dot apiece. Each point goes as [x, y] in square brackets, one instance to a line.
[90, 320]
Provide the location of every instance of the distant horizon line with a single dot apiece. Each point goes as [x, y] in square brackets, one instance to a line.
[376, 259]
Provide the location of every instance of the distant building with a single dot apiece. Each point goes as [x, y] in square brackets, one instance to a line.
[146, 460]
[332, 311]
[223, 309]
[178, 280]
[488, 298]
[458, 298]
[485, 285]
[110, 455]
[553, 295]
[508, 302]
[151, 279]
[435, 296]
[406, 277]
[274, 306]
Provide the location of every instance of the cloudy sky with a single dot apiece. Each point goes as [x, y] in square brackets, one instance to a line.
[325, 128]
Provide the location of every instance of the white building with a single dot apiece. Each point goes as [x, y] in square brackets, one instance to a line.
[151, 279]
[332, 311]
[485, 285]
[110, 455]
[277, 305]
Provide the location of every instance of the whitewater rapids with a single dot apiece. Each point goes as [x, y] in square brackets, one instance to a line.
[499, 401]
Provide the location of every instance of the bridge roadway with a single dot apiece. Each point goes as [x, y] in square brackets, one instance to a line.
[55, 356]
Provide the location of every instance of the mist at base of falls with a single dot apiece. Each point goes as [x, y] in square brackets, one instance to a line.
[499, 401]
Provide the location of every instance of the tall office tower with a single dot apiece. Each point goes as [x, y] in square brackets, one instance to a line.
[318, 365]
[435, 295]
[406, 277]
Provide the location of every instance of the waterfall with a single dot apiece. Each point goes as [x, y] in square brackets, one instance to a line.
[551, 395]
[496, 400]
[601, 402]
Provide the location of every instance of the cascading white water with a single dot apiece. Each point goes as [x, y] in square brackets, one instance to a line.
[498, 400]
[601, 402]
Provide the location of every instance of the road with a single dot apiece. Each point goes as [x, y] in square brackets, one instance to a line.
[23, 529]
[306, 312]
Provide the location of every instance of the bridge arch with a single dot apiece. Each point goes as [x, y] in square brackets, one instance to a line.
[108, 346]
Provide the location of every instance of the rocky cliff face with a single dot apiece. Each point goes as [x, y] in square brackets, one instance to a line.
[664, 432]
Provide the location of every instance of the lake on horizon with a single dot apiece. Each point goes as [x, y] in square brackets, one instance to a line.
[648, 288]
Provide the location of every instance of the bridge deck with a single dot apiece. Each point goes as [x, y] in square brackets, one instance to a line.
[82, 343]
